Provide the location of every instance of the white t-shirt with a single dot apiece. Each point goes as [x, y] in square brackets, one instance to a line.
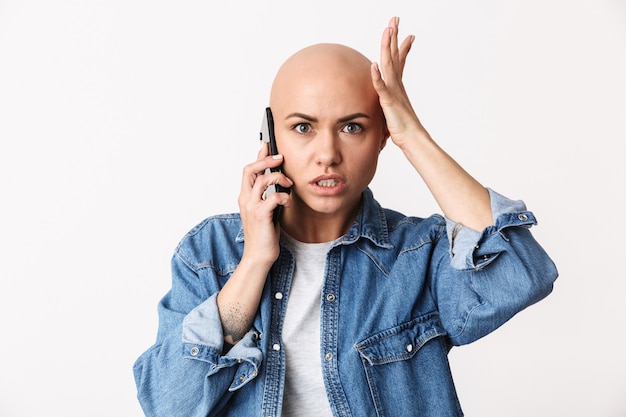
[305, 394]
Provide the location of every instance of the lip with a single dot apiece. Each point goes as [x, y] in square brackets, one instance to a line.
[335, 189]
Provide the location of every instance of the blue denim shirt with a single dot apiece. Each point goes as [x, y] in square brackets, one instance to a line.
[399, 292]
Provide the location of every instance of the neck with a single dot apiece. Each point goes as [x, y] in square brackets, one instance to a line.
[308, 226]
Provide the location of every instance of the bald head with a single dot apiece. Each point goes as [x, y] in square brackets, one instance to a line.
[325, 60]
[323, 75]
[332, 51]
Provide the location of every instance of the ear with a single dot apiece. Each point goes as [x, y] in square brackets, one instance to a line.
[385, 137]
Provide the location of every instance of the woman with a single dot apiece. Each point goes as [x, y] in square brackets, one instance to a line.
[342, 307]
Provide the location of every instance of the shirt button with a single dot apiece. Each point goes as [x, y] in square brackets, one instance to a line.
[523, 217]
[194, 351]
[329, 356]
[409, 348]
[330, 297]
[276, 347]
[278, 295]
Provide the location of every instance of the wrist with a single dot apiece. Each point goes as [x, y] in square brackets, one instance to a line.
[412, 139]
[256, 263]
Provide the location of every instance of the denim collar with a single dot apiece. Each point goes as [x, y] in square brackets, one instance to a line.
[370, 223]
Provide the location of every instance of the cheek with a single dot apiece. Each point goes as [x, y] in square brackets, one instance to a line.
[292, 161]
[365, 164]
[288, 153]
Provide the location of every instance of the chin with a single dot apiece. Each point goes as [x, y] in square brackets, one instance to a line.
[333, 205]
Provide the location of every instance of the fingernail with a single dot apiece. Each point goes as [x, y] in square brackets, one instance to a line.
[277, 156]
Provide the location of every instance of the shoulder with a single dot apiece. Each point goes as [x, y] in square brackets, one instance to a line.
[216, 242]
[389, 228]
[398, 222]
[227, 224]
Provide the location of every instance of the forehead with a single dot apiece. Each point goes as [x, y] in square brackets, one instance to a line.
[324, 80]
[325, 95]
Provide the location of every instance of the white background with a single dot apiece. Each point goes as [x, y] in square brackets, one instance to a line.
[125, 123]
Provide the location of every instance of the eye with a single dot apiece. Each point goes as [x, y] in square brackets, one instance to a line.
[352, 128]
[302, 128]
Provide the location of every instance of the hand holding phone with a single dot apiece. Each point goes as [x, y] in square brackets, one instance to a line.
[267, 136]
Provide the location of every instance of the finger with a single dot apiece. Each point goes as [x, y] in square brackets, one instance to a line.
[377, 80]
[406, 46]
[278, 199]
[390, 59]
[264, 181]
[386, 59]
[263, 151]
[254, 169]
[255, 199]
[393, 34]
[404, 50]
[262, 201]
[385, 95]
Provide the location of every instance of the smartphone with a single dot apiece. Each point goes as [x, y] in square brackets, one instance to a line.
[267, 136]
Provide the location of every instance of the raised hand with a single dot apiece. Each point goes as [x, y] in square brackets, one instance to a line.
[402, 121]
[460, 196]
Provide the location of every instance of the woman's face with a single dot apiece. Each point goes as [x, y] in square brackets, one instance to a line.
[330, 129]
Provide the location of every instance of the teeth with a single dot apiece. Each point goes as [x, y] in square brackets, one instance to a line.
[327, 183]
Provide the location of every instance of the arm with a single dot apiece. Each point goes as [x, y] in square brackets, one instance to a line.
[489, 270]
[206, 348]
[239, 300]
[461, 198]
[493, 274]
[170, 376]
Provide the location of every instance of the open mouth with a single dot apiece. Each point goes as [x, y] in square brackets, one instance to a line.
[327, 183]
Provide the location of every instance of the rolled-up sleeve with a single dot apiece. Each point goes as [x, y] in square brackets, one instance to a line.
[485, 278]
[464, 241]
[184, 373]
[203, 340]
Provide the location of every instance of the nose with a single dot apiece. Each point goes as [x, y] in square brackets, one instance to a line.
[327, 148]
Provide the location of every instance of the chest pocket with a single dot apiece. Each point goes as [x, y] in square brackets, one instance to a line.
[407, 369]
[401, 342]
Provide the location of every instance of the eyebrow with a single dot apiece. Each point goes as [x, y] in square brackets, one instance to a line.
[314, 120]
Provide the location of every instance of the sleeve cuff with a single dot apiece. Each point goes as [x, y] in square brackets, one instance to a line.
[203, 340]
[203, 325]
[464, 241]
